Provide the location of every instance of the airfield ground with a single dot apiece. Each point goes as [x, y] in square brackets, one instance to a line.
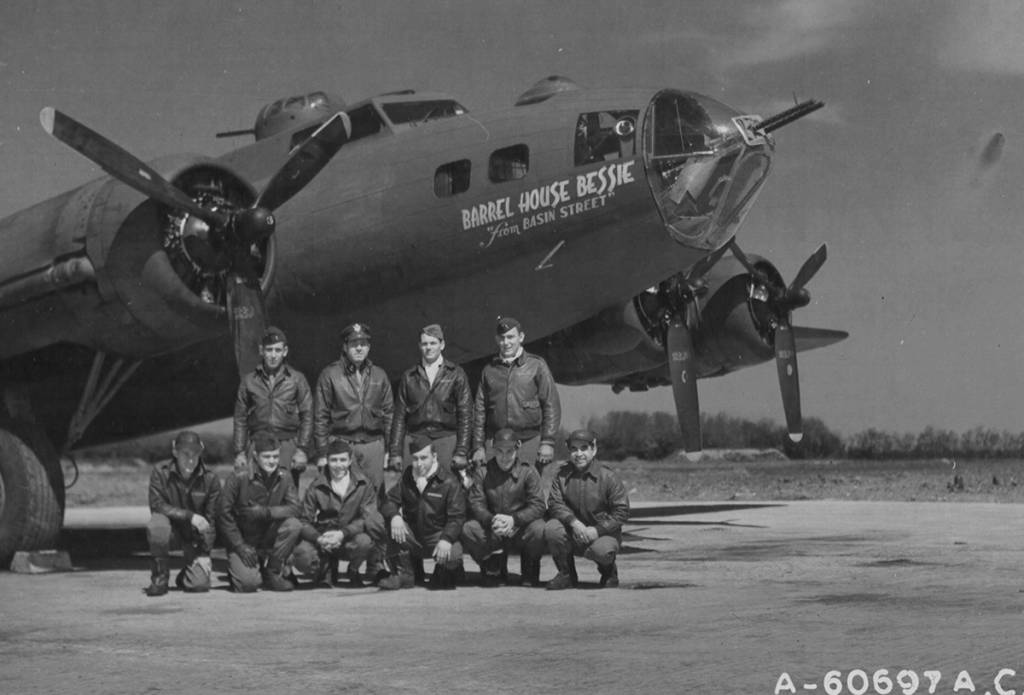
[748, 595]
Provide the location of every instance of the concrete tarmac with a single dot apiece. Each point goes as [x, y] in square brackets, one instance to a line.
[715, 598]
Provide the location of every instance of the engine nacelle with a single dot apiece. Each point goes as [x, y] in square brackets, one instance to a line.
[624, 346]
[155, 283]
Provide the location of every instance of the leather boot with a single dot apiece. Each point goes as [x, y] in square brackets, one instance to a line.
[273, 579]
[490, 571]
[161, 577]
[401, 577]
[442, 579]
[326, 571]
[566, 568]
[609, 575]
[529, 569]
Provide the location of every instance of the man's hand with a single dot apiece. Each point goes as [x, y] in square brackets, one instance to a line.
[199, 523]
[205, 563]
[255, 512]
[480, 456]
[579, 532]
[442, 551]
[248, 555]
[399, 530]
[545, 454]
[241, 463]
[502, 525]
[299, 460]
[331, 540]
[459, 462]
[321, 462]
[591, 534]
[395, 463]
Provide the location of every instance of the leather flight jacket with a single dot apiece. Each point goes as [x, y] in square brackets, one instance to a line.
[344, 407]
[439, 409]
[281, 404]
[520, 395]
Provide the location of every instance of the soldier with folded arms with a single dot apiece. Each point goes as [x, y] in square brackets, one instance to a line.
[587, 507]
[258, 520]
[340, 520]
[183, 501]
[506, 509]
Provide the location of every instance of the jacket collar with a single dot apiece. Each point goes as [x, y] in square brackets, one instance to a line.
[262, 372]
[268, 479]
[355, 477]
[513, 472]
[349, 368]
[592, 469]
[517, 360]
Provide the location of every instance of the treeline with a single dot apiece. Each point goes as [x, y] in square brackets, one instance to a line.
[654, 436]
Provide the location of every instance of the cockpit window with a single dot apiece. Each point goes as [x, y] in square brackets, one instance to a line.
[365, 121]
[605, 135]
[416, 112]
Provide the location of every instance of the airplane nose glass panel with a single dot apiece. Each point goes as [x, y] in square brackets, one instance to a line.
[702, 174]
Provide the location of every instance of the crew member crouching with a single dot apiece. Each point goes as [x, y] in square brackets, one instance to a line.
[340, 520]
[258, 520]
[588, 506]
[425, 511]
[506, 507]
[183, 500]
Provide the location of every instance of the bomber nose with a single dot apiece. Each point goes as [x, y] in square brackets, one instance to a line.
[704, 166]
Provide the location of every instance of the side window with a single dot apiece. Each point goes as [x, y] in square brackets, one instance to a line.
[509, 163]
[365, 121]
[452, 178]
[605, 135]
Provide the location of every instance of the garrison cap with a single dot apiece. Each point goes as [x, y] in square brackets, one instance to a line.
[420, 442]
[272, 335]
[355, 331]
[505, 439]
[264, 441]
[188, 442]
[339, 446]
[506, 324]
[579, 437]
[433, 330]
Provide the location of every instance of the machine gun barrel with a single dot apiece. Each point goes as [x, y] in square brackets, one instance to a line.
[789, 115]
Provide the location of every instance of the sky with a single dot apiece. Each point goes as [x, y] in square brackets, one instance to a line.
[923, 228]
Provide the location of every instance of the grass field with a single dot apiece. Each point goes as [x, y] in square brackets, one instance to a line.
[117, 483]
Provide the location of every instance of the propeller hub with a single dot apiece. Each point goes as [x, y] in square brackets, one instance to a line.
[253, 225]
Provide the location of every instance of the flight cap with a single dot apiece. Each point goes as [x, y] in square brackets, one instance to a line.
[264, 441]
[188, 442]
[506, 324]
[433, 330]
[420, 442]
[505, 439]
[581, 437]
[272, 335]
[355, 331]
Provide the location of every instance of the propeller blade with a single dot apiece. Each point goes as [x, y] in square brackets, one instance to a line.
[121, 164]
[683, 374]
[789, 379]
[742, 257]
[247, 315]
[306, 162]
[701, 267]
[809, 268]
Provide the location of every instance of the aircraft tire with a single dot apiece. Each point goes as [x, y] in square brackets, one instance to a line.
[30, 515]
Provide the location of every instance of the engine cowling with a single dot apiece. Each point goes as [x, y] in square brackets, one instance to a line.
[624, 346]
[156, 282]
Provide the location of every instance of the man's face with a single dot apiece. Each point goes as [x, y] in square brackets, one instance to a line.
[338, 464]
[506, 456]
[268, 460]
[273, 355]
[430, 348]
[582, 454]
[423, 460]
[186, 461]
[509, 342]
[357, 350]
